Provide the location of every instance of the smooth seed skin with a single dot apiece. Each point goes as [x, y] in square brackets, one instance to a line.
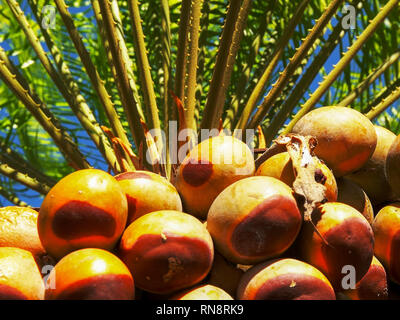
[284, 279]
[147, 192]
[386, 228]
[254, 219]
[85, 209]
[209, 168]
[90, 274]
[348, 240]
[167, 251]
[372, 176]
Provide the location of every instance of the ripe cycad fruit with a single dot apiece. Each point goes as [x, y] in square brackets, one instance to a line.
[280, 166]
[209, 168]
[341, 237]
[18, 228]
[346, 138]
[167, 251]
[90, 274]
[146, 192]
[254, 219]
[386, 228]
[284, 279]
[372, 177]
[87, 208]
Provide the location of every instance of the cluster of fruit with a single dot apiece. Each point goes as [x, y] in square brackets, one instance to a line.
[296, 223]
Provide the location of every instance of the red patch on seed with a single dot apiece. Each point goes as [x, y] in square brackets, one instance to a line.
[374, 284]
[270, 228]
[132, 175]
[78, 219]
[166, 264]
[197, 174]
[101, 287]
[295, 286]
[132, 204]
[350, 243]
[10, 293]
[394, 257]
